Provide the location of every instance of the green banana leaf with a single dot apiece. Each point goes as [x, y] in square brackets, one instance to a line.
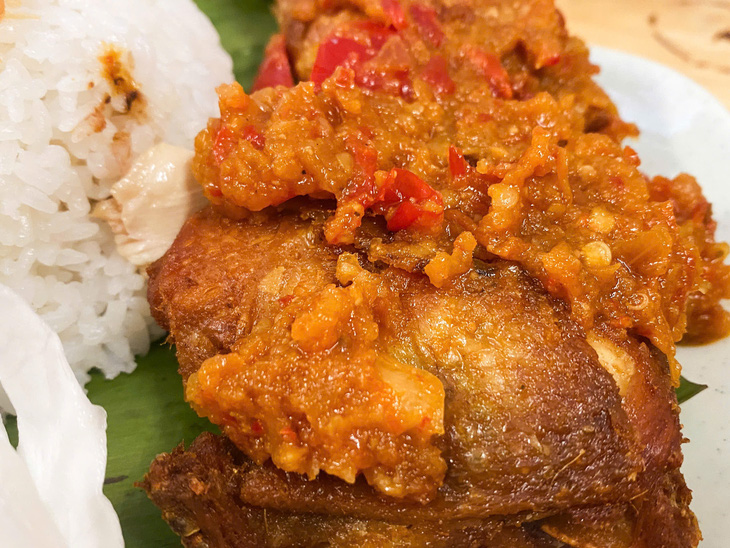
[688, 389]
[146, 415]
[244, 27]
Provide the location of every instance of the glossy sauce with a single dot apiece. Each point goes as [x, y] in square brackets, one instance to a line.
[442, 119]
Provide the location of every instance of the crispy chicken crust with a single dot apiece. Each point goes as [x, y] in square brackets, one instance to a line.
[529, 415]
[200, 489]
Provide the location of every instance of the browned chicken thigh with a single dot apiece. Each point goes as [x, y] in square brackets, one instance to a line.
[481, 401]
[434, 301]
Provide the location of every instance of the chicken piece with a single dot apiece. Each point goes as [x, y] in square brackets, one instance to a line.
[660, 518]
[434, 338]
[212, 495]
[288, 390]
[393, 87]
[198, 490]
[649, 402]
[496, 26]
[531, 421]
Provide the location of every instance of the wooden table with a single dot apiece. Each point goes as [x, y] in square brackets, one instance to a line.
[691, 36]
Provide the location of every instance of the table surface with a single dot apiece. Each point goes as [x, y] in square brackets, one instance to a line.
[691, 36]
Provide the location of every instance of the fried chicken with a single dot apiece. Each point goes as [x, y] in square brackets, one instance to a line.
[491, 364]
[199, 493]
[532, 423]
[435, 301]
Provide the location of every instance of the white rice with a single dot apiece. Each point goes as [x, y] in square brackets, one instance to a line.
[54, 164]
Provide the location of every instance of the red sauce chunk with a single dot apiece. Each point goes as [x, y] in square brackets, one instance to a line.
[275, 69]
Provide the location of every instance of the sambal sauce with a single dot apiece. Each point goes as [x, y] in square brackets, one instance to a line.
[474, 133]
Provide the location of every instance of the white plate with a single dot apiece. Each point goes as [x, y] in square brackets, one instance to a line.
[684, 128]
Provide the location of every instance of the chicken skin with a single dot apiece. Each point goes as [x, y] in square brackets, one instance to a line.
[479, 401]
[532, 424]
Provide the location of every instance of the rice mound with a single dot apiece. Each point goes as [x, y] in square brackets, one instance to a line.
[67, 133]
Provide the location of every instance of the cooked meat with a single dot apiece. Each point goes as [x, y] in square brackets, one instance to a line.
[144, 217]
[199, 491]
[535, 422]
[488, 375]
[659, 518]
[434, 302]
[652, 412]
[212, 495]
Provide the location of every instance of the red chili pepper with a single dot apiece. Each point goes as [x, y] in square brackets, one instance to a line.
[337, 51]
[275, 69]
[225, 140]
[376, 34]
[408, 202]
[457, 163]
[253, 136]
[394, 12]
[492, 70]
[427, 24]
[436, 74]
[404, 185]
[256, 427]
[351, 52]
[405, 215]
